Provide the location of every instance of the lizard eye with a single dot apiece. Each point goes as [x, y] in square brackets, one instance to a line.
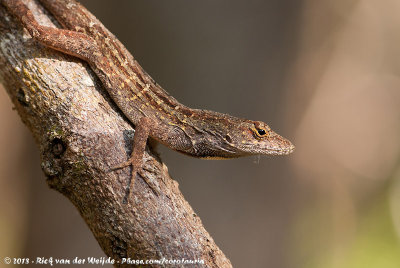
[260, 132]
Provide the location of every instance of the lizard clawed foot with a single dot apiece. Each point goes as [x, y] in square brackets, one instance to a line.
[135, 170]
[123, 165]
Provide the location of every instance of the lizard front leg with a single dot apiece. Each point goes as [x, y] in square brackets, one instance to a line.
[142, 131]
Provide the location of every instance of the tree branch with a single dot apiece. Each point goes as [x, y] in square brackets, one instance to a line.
[81, 135]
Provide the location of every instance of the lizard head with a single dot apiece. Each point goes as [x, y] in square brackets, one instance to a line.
[256, 137]
[235, 137]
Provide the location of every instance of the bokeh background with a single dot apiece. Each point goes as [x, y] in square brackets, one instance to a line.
[324, 74]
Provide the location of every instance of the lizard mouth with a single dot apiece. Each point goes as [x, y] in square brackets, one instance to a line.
[278, 145]
[282, 151]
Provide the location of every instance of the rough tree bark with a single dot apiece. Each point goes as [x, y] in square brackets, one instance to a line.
[81, 135]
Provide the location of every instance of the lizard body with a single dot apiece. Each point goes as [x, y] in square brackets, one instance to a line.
[155, 113]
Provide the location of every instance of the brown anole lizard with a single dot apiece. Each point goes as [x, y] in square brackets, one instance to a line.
[155, 113]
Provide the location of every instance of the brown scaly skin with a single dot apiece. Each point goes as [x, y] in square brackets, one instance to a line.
[155, 113]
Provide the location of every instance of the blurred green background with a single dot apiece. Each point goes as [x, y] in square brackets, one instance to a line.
[324, 74]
